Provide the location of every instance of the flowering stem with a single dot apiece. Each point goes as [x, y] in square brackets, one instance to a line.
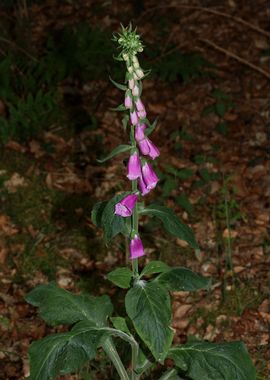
[111, 352]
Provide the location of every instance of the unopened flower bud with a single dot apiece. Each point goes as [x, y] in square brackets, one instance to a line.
[131, 83]
[142, 114]
[139, 73]
[135, 91]
[128, 99]
[134, 118]
[139, 132]
[125, 57]
[130, 69]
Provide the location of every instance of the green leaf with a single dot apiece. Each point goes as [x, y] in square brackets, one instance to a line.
[121, 277]
[151, 127]
[220, 108]
[183, 279]
[119, 323]
[119, 149]
[113, 224]
[121, 107]
[96, 213]
[148, 306]
[212, 361]
[118, 85]
[58, 306]
[171, 223]
[63, 353]
[155, 266]
[183, 201]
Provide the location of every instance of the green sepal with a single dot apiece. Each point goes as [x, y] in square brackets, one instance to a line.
[151, 127]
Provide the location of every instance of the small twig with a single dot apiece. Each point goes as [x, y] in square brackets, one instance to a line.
[212, 11]
[18, 48]
[237, 58]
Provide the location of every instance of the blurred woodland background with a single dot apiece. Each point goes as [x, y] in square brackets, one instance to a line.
[209, 86]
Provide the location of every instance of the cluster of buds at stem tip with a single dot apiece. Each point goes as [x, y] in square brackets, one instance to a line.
[138, 169]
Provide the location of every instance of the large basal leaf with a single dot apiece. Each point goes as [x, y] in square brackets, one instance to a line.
[113, 224]
[148, 306]
[120, 277]
[172, 223]
[58, 306]
[183, 279]
[212, 361]
[63, 353]
[119, 149]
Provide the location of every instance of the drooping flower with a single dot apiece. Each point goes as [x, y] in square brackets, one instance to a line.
[139, 132]
[149, 177]
[142, 114]
[134, 167]
[142, 187]
[135, 90]
[136, 248]
[134, 118]
[148, 148]
[139, 73]
[128, 100]
[126, 205]
[131, 83]
[139, 105]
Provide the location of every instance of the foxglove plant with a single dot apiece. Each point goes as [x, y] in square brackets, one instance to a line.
[146, 325]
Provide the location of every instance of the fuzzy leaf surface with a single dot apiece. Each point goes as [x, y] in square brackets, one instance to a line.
[172, 223]
[155, 266]
[63, 353]
[120, 277]
[58, 306]
[183, 279]
[148, 306]
[213, 361]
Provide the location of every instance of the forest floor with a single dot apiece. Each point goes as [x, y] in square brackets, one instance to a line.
[213, 131]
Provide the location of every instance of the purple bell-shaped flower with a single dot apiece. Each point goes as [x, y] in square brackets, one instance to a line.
[134, 167]
[125, 207]
[136, 248]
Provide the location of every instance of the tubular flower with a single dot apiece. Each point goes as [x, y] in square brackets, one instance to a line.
[139, 73]
[134, 118]
[128, 100]
[134, 167]
[125, 207]
[139, 105]
[135, 90]
[148, 148]
[149, 177]
[131, 84]
[142, 187]
[136, 248]
[142, 114]
[139, 132]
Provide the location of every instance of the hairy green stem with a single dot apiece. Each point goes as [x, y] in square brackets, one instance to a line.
[168, 375]
[111, 352]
